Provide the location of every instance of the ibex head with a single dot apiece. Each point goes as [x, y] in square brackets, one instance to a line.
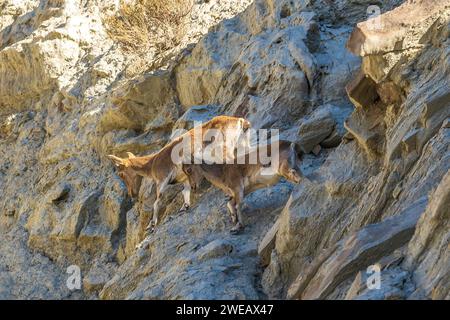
[129, 176]
[290, 163]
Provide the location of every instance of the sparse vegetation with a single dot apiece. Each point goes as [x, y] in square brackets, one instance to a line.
[148, 27]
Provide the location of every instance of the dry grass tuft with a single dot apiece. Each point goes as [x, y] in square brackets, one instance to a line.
[148, 27]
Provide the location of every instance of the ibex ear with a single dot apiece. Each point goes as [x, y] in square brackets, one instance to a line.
[130, 155]
[117, 161]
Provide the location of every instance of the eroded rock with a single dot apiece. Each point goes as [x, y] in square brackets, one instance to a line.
[150, 98]
[359, 251]
[315, 130]
[267, 244]
[431, 265]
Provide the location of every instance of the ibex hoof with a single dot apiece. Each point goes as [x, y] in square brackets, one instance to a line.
[150, 227]
[184, 208]
[143, 244]
[237, 228]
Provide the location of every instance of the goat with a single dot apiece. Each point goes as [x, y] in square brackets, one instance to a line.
[163, 170]
[237, 180]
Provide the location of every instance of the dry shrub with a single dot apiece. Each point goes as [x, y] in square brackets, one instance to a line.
[148, 27]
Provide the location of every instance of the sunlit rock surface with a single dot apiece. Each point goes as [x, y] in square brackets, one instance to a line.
[369, 104]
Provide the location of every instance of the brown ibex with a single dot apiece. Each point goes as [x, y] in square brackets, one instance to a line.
[237, 180]
[163, 170]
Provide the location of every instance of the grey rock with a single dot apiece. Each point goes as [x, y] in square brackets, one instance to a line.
[315, 129]
[215, 249]
[360, 250]
[267, 244]
[195, 115]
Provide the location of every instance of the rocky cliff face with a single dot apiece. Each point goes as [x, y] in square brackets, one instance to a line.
[368, 100]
